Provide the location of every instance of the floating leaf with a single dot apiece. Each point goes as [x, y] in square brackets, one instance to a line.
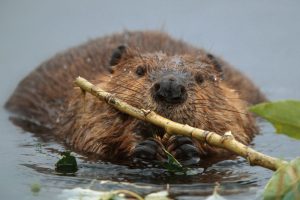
[172, 165]
[285, 182]
[67, 164]
[284, 115]
[35, 188]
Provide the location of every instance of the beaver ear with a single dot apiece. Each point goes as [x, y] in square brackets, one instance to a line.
[117, 55]
[217, 65]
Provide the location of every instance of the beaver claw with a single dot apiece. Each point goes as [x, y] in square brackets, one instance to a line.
[183, 149]
[148, 151]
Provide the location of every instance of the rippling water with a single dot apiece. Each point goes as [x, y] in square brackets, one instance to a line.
[36, 161]
[237, 178]
[260, 38]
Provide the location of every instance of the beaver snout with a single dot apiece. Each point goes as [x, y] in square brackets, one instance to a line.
[169, 89]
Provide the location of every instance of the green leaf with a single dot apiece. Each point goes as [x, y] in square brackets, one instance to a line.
[67, 164]
[285, 182]
[284, 115]
[172, 165]
[35, 187]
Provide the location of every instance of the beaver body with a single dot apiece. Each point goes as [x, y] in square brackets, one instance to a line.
[149, 70]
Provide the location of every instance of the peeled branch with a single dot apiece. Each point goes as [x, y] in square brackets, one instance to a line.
[225, 141]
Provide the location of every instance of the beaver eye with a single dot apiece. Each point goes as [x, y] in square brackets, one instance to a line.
[199, 78]
[213, 78]
[140, 70]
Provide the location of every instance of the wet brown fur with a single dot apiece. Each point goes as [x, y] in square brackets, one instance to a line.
[46, 98]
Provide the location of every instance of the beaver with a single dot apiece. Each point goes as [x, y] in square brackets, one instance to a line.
[147, 69]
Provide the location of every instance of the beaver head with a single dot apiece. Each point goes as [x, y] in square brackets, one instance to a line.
[184, 88]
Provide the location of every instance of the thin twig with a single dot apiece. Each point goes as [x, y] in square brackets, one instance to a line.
[226, 141]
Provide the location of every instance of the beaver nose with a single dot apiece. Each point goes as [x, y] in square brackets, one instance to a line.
[170, 90]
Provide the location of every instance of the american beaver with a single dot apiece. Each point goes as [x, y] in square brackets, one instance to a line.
[149, 70]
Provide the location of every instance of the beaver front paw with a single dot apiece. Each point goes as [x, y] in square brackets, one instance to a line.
[184, 150]
[147, 152]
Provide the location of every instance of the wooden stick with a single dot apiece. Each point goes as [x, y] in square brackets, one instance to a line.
[226, 141]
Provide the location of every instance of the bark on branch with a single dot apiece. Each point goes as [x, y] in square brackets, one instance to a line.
[226, 141]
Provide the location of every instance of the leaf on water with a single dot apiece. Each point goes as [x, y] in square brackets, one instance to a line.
[285, 182]
[172, 165]
[35, 187]
[284, 115]
[67, 164]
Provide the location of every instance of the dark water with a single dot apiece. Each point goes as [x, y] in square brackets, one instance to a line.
[261, 38]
